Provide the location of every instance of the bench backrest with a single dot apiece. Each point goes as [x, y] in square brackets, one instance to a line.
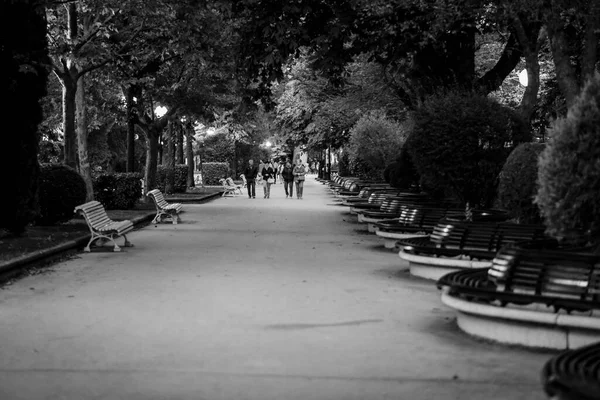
[548, 273]
[230, 182]
[94, 214]
[486, 236]
[158, 197]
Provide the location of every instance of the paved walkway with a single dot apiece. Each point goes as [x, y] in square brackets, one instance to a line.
[247, 299]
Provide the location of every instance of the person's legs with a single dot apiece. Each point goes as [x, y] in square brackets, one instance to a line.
[252, 186]
[249, 185]
[268, 190]
[285, 187]
[300, 189]
[264, 185]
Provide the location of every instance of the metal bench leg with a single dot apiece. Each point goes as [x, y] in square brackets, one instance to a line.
[175, 218]
[127, 242]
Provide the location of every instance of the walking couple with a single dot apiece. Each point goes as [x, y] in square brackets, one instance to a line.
[293, 175]
[264, 174]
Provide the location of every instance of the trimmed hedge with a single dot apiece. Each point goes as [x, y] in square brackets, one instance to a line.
[460, 143]
[518, 183]
[180, 181]
[569, 170]
[213, 171]
[118, 191]
[61, 189]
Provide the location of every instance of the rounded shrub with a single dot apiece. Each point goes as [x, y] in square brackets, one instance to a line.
[460, 142]
[374, 143]
[569, 170]
[517, 185]
[403, 174]
[61, 189]
[119, 191]
[213, 171]
[180, 178]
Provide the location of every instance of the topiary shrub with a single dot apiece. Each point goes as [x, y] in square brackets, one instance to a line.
[119, 191]
[213, 171]
[460, 143]
[180, 181]
[517, 185]
[569, 170]
[403, 174]
[61, 189]
[374, 143]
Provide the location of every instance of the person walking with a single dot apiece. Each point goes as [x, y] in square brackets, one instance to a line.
[299, 175]
[288, 179]
[268, 174]
[250, 173]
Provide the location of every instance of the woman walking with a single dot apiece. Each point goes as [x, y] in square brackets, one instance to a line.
[288, 179]
[299, 175]
[268, 174]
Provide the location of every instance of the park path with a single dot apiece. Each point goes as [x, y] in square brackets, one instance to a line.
[247, 299]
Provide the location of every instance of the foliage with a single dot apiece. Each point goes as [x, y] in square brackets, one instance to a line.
[180, 178]
[517, 185]
[402, 172]
[460, 143]
[375, 141]
[213, 171]
[218, 147]
[23, 54]
[569, 169]
[311, 111]
[118, 191]
[61, 189]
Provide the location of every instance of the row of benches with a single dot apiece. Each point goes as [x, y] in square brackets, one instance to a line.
[103, 228]
[521, 270]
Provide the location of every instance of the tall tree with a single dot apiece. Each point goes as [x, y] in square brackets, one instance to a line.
[23, 55]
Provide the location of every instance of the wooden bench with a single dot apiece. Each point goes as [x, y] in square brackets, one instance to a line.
[229, 189]
[480, 239]
[102, 227]
[573, 374]
[164, 209]
[556, 278]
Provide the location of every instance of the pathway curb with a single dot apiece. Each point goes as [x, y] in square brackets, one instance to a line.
[27, 259]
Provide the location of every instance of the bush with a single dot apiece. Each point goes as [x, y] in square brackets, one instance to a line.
[569, 170]
[180, 181]
[460, 144]
[213, 171]
[403, 174]
[61, 189]
[517, 185]
[374, 143]
[118, 191]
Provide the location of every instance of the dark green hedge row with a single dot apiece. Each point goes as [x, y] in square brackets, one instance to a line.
[213, 171]
[180, 178]
[61, 189]
[118, 191]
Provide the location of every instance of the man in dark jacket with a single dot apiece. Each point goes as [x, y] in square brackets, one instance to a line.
[251, 172]
[288, 180]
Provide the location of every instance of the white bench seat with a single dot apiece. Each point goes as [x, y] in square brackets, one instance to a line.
[164, 209]
[101, 226]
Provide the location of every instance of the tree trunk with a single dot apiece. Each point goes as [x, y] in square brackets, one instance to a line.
[82, 139]
[590, 51]
[565, 73]
[189, 150]
[529, 37]
[170, 159]
[69, 90]
[151, 160]
[130, 129]
[180, 144]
